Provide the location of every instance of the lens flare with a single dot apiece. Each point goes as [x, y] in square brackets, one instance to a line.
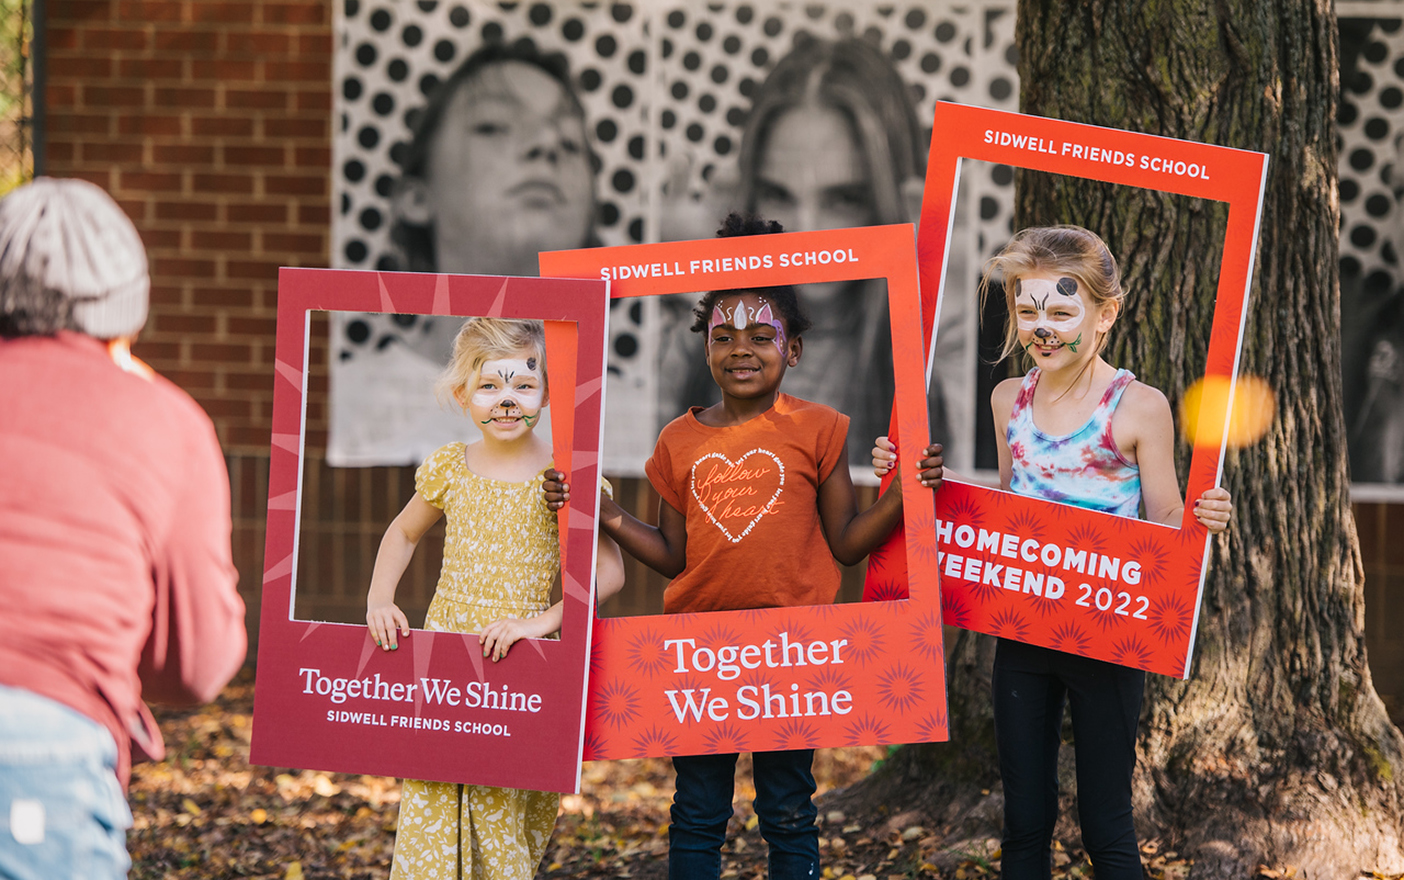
[1205, 407]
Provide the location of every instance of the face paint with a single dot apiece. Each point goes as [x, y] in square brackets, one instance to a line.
[1049, 309]
[737, 319]
[509, 388]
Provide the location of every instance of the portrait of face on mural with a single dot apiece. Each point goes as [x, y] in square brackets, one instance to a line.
[1371, 118]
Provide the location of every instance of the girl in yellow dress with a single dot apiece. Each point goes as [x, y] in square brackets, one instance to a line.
[501, 563]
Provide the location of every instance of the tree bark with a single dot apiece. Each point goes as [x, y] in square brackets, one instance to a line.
[1277, 751]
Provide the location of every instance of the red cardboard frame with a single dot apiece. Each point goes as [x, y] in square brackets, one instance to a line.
[324, 719]
[984, 534]
[892, 671]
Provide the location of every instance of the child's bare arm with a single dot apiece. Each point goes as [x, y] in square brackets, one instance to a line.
[383, 616]
[1002, 405]
[1147, 413]
[853, 535]
[662, 548]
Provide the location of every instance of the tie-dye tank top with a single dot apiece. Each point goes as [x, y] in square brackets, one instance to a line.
[1083, 468]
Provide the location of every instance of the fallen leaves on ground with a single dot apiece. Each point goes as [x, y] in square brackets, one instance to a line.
[204, 812]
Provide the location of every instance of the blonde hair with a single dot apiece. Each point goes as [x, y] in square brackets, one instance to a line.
[484, 339]
[1058, 250]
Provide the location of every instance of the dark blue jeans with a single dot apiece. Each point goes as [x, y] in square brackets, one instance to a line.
[784, 806]
[1031, 685]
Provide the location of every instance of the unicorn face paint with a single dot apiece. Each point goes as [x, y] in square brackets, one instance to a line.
[738, 318]
[1050, 313]
[509, 395]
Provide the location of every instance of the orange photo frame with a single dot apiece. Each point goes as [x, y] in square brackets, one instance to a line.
[656, 686]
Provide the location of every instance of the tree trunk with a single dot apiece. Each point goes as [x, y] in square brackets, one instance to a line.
[1277, 751]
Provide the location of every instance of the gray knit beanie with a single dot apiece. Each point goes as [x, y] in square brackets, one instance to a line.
[70, 237]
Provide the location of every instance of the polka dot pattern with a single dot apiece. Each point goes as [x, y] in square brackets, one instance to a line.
[1371, 122]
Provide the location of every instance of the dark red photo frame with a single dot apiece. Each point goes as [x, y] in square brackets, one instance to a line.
[364, 710]
[647, 674]
[1146, 619]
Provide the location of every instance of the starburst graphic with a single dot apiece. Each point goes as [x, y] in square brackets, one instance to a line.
[865, 640]
[1071, 638]
[966, 510]
[985, 593]
[654, 741]
[615, 703]
[717, 635]
[927, 637]
[884, 590]
[1107, 618]
[793, 734]
[645, 653]
[1170, 618]
[1131, 651]
[828, 679]
[726, 738]
[1087, 537]
[1151, 556]
[933, 727]
[1010, 624]
[1026, 524]
[867, 730]
[956, 609]
[900, 688]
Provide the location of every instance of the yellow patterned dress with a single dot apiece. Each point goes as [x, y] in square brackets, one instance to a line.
[501, 557]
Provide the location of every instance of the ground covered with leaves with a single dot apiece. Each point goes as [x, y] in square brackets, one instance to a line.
[205, 812]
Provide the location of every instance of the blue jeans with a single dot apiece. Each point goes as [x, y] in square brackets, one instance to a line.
[1031, 686]
[62, 812]
[784, 806]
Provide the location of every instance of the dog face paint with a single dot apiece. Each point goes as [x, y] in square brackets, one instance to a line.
[737, 319]
[508, 390]
[1049, 309]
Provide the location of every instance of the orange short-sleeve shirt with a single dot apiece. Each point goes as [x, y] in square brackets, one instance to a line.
[750, 495]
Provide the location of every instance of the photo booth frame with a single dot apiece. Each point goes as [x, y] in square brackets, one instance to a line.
[327, 697]
[1145, 616]
[656, 687]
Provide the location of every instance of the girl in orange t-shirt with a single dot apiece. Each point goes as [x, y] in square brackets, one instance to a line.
[754, 490]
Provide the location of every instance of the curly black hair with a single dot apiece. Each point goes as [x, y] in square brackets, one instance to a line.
[783, 296]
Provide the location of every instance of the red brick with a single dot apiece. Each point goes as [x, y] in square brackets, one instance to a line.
[80, 123]
[314, 215]
[150, 124]
[184, 210]
[59, 96]
[312, 157]
[315, 45]
[171, 239]
[274, 157]
[154, 352]
[248, 437]
[133, 208]
[113, 96]
[223, 183]
[107, 151]
[222, 352]
[221, 407]
[57, 153]
[297, 71]
[257, 43]
[221, 126]
[318, 101]
[82, 10]
[223, 13]
[150, 181]
[129, 39]
[290, 243]
[187, 40]
[185, 98]
[256, 213]
[294, 13]
[256, 269]
[223, 69]
[179, 267]
[251, 327]
[182, 154]
[151, 68]
[79, 65]
[61, 39]
[223, 297]
[295, 127]
[256, 99]
[164, 293]
[221, 241]
[296, 185]
[168, 322]
[149, 10]
[191, 379]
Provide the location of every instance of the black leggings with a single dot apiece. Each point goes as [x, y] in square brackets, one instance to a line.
[1030, 686]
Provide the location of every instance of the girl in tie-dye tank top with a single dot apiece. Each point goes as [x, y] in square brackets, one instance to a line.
[1075, 430]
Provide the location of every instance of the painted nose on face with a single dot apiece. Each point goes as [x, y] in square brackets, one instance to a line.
[1043, 332]
[509, 404]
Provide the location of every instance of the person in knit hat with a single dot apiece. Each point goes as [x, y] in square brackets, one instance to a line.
[115, 565]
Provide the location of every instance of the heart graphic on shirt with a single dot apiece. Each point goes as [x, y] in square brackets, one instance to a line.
[731, 492]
